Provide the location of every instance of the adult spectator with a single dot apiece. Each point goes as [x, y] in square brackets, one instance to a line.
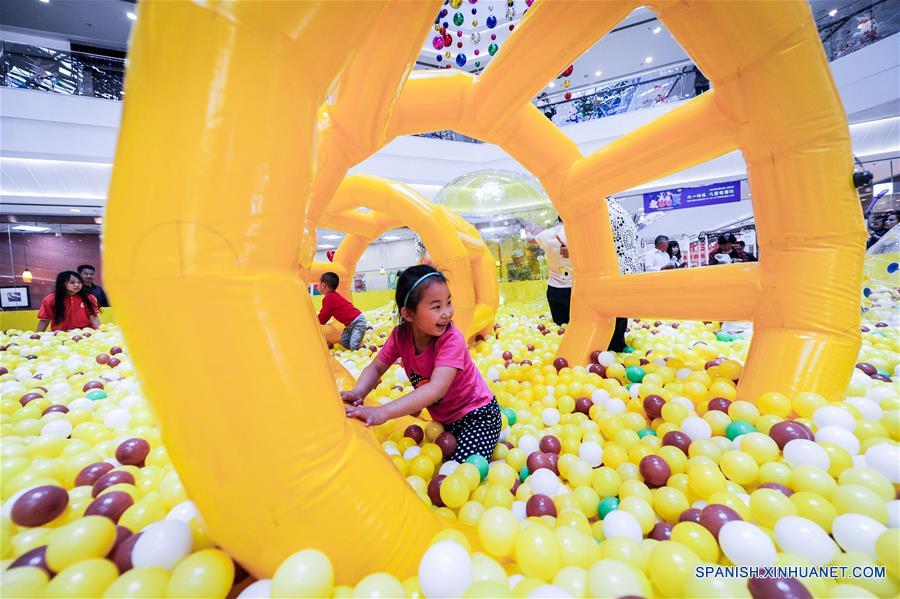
[87, 273]
[740, 253]
[69, 307]
[559, 265]
[625, 240]
[723, 252]
[658, 258]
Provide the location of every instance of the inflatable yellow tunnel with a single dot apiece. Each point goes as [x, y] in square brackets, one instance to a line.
[222, 174]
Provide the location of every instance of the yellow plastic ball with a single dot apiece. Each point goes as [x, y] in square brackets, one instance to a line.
[207, 573]
[537, 553]
[307, 573]
[768, 506]
[696, 538]
[87, 578]
[83, 539]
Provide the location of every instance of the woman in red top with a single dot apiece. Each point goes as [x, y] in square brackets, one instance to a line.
[78, 310]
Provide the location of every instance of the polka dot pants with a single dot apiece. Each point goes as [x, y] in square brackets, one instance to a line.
[477, 432]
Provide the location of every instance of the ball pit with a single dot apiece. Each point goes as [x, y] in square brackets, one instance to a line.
[623, 492]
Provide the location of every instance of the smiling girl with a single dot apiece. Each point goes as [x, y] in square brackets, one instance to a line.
[434, 354]
[70, 306]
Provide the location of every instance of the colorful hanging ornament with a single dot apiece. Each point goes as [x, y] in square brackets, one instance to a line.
[566, 84]
[455, 3]
[568, 95]
[510, 13]
[438, 42]
[492, 49]
[568, 70]
[491, 22]
[458, 19]
[460, 60]
[476, 37]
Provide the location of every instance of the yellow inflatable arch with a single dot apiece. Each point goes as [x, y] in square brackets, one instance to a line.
[455, 244]
[203, 223]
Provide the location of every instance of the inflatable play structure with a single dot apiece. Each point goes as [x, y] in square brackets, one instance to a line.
[227, 164]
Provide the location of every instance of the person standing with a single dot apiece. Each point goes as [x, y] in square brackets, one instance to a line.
[69, 307]
[724, 253]
[658, 258]
[741, 254]
[87, 273]
[625, 240]
[674, 251]
[559, 265]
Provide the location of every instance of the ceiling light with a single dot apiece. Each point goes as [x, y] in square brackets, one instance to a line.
[657, 29]
[325, 246]
[648, 60]
[597, 73]
[552, 84]
[44, 1]
[27, 277]
[74, 210]
[332, 236]
[131, 15]
[832, 12]
[30, 228]
[390, 237]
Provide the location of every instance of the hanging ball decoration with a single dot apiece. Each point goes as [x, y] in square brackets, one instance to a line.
[474, 11]
[459, 33]
[458, 19]
[459, 44]
[476, 37]
[443, 30]
[455, 3]
[477, 62]
[473, 1]
[460, 60]
[475, 23]
[439, 57]
[448, 41]
[491, 7]
[510, 13]
[493, 37]
[566, 83]
[528, 3]
[492, 49]
[568, 95]
[491, 22]
[511, 27]
[445, 24]
[477, 51]
[510, 3]
[437, 27]
[438, 42]
[568, 70]
[330, 255]
[447, 55]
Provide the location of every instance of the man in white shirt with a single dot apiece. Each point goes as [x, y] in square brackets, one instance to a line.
[658, 258]
[559, 265]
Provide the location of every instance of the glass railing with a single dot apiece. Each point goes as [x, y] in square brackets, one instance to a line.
[855, 26]
[64, 72]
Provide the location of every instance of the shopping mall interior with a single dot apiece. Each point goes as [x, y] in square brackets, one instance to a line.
[463, 298]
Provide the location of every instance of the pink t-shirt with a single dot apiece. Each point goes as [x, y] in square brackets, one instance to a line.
[467, 392]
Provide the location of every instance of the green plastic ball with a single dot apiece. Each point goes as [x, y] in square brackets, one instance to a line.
[479, 462]
[635, 374]
[607, 505]
[737, 428]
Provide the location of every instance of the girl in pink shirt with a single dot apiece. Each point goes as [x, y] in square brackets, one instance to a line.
[436, 359]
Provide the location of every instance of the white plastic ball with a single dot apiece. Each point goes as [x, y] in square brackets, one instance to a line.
[893, 509]
[528, 444]
[184, 511]
[411, 452]
[448, 467]
[606, 358]
[696, 428]
[549, 591]
[592, 453]
[57, 429]
[746, 545]
[805, 538]
[544, 482]
[856, 532]
[493, 374]
[803, 452]
[619, 523]
[599, 396]
[885, 458]
[550, 416]
[445, 570]
[869, 409]
[117, 419]
[81, 404]
[839, 436]
[834, 416]
[518, 510]
[163, 543]
[614, 405]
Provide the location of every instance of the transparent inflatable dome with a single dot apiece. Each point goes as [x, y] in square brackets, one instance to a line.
[507, 208]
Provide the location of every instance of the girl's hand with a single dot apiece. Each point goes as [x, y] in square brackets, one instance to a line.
[372, 416]
[352, 398]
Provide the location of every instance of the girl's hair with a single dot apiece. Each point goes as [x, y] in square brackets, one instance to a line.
[673, 245]
[409, 294]
[59, 303]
